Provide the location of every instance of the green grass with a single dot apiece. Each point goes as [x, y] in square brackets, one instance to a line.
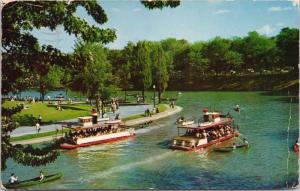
[48, 112]
[161, 108]
[131, 117]
[33, 136]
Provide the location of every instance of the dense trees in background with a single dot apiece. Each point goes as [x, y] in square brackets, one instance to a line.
[287, 42]
[146, 63]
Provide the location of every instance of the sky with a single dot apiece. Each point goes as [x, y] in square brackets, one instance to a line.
[193, 20]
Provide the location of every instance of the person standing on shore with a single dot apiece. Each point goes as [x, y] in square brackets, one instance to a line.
[13, 179]
[37, 126]
[40, 119]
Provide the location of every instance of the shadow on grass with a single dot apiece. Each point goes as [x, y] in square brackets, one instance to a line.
[67, 107]
[26, 120]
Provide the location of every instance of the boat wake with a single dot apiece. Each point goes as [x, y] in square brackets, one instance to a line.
[128, 166]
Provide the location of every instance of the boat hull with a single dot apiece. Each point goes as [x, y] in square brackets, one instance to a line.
[34, 181]
[96, 142]
[176, 147]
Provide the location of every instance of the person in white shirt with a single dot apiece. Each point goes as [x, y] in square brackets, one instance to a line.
[41, 176]
[37, 126]
[13, 179]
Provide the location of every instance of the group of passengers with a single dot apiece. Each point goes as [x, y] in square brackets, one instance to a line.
[211, 134]
[93, 132]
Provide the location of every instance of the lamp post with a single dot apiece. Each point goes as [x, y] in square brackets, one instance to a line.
[154, 96]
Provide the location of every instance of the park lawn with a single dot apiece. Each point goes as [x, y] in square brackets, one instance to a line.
[39, 135]
[48, 112]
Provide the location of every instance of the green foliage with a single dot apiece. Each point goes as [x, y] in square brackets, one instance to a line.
[258, 51]
[160, 3]
[22, 52]
[141, 66]
[95, 80]
[25, 155]
[287, 42]
[160, 75]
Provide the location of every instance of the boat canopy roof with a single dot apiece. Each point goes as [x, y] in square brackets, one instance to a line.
[206, 125]
[103, 124]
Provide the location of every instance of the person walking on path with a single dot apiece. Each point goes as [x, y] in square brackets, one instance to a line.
[40, 119]
[37, 126]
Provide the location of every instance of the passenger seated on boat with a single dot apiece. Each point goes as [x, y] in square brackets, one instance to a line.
[41, 176]
[245, 141]
[228, 132]
[233, 146]
[13, 179]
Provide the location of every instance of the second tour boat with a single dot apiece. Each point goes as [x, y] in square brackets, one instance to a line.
[215, 128]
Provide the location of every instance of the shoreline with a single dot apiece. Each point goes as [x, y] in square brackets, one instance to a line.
[130, 123]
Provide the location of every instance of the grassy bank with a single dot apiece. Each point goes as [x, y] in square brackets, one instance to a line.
[38, 135]
[48, 112]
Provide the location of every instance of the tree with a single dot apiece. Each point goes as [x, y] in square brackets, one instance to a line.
[22, 53]
[96, 77]
[126, 66]
[287, 42]
[22, 49]
[198, 63]
[26, 155]
[160, 3]
[141, 67]
[258, 51]
[215, 51]
[47, 78]
[160, 75]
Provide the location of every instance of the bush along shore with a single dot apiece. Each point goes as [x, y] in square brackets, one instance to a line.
[250, 82]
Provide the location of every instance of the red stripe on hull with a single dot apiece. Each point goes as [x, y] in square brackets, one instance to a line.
[205, 145]
[70, 146]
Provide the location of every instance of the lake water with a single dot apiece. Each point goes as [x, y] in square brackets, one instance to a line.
[145, 162]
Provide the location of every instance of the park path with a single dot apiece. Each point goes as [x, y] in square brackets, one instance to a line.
[169, 111]
[124, 111]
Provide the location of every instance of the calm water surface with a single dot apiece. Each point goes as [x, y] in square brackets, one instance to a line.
[146, 162]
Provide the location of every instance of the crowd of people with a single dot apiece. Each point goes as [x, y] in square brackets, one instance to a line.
[211, 134]
[92, 132]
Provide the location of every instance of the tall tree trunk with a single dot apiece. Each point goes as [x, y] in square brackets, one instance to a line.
[125, 94]
[97, 105]
[66, 92]
[102, 109]
[43, 96]
[159, 96]
[143, 95]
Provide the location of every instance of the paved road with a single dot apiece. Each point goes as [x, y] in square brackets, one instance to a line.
[123, 111]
